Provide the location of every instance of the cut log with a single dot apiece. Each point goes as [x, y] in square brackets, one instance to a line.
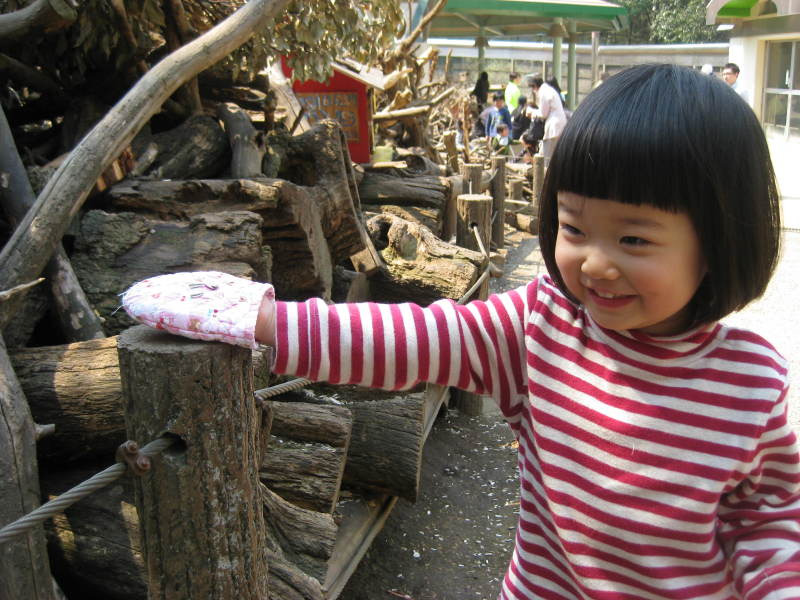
[306, 456]
[77, 387]
[428, 190]
[292, 221]
[420, 267]
[113, 251]
[41, 16]
[427, 217]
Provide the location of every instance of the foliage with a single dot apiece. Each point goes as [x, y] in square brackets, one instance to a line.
[665, 22]
[309, 32]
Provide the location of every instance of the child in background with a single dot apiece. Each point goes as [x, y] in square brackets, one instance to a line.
[501, 143]
[655, 457]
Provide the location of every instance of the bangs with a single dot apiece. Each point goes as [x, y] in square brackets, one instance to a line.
[633, 143]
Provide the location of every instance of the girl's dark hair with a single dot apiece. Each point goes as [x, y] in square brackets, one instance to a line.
[672, 138]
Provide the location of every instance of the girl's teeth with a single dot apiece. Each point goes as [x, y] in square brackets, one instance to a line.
[606, 295]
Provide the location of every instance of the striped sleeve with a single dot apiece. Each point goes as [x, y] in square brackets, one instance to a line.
[760, 518]
[477, 347]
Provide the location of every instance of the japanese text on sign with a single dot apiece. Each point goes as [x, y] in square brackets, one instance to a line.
[339, 106]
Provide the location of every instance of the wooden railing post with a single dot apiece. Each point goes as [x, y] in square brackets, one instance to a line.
[537, 182]
[473, 209]
[472, 178]
[201, 504]
[498, 189]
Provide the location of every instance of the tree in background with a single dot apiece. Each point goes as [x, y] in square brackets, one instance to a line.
[665, 22]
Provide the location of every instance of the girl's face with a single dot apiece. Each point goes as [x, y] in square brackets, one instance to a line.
[632, 267]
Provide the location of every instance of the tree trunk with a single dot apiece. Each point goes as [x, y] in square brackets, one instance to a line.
[200, 505]
[420, 267]
[428, 190]
[113, 251]
[29, 249]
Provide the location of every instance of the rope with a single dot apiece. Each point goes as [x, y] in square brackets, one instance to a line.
[289, 386]
[478, 239]
[475, 286]
[80, 491]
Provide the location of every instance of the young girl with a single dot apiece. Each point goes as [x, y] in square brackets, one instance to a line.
[655, 457]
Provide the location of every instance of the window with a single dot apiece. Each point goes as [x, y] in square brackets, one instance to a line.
[782, 90]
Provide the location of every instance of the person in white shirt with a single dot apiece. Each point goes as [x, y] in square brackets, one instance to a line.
[730, 73]
[551, 109]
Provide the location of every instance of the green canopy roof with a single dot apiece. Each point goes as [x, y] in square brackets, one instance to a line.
[521, 18]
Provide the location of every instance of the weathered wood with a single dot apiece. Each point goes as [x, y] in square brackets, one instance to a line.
[197, 148]
[77, 387]
[498, 193]
[247, 144]
[472, 174]
[113, 251]
[473, 210]
[350, 286]
[449, 141]
[28, 250]
[78, 320]
[96, 544]
[516, 189]
[201, 504]
[305, 460]
[179, 33]
[420, 267]
[291, 221]
[24, 569]
[22, 74]
[39, 17]
[427, 190]
[304, 538]
[426, 217]
[537, 182]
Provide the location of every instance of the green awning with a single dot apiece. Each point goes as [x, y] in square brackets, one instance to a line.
[515, 18]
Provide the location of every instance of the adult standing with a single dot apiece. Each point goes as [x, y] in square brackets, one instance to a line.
[730, 73]
[551, 110]
[481, 91]
[520, 121]
[512, 92]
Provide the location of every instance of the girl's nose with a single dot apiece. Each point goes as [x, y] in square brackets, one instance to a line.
[598, 265]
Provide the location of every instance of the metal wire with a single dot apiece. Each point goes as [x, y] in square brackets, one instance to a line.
[80, 491]
[289, 386]
[475, 286]
[478, 239]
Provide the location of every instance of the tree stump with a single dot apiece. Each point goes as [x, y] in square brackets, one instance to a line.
[201, 504]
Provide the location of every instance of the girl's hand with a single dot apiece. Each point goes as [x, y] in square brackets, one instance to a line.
[265, 323]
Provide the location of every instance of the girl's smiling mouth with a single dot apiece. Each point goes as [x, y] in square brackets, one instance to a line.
[608, 299]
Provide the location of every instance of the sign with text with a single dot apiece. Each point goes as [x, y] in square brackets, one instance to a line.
[339, 106]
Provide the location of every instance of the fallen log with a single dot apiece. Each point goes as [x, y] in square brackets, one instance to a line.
[113, 251]
[427, 190]
[291, 226]
[41, 16]
[77, 387]
[426, 217]
[420, 267]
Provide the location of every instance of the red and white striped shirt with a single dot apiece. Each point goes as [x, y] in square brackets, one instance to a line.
[650, 467]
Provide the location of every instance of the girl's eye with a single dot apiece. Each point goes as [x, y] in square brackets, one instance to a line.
[632, 240]
[570, 229]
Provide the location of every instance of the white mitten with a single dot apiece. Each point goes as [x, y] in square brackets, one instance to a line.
[202, 305]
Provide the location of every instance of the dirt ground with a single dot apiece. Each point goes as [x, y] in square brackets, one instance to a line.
[455, 542]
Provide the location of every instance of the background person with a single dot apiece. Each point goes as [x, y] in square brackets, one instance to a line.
[512, 92]
[520, 121]
[498, 114]
[481, 90]
[730, 75]
[551, 109]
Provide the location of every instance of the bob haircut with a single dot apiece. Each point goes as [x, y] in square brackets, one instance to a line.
[680, 141]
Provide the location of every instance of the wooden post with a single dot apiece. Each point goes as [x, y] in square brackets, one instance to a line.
[201, 505]
[472, 178]
[473, 209]
[449, 141]
[538, 181]
[516, 189]
[450, 215]
[498, 189]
